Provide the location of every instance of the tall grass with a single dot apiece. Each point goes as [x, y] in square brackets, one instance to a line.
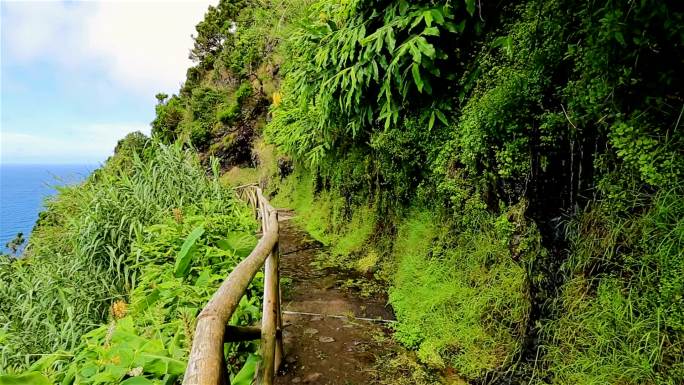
[461, 299]
[620, 316]
[79, 258]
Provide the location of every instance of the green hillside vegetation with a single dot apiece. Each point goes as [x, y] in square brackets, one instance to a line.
[529, 161]
[117, 269]
[510, 173]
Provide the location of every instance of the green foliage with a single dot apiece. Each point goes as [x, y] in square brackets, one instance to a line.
[501, 121]
[246, 375]
[243, 93]
[354, 232]
[357, 63]
[496, 116]
[622, 324]
[228, 114]
[462, 299]
[264, 174]
[24, 379]
[298, 192]
[152, 338]
[187, 251]
[133, 145]
[80, 256]
[169, 116]
[214, 29]
[201, 107]
[636, 144]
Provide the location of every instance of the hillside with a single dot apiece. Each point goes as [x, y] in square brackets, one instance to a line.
[510, 175]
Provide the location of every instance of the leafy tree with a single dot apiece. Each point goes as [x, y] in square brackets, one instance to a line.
[168, 118]
[213, 29]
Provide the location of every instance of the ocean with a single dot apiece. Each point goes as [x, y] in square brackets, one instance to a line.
[23, 188]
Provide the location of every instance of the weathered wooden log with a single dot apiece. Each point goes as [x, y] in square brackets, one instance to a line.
[205, 365]
[269, 320]
[279, 352]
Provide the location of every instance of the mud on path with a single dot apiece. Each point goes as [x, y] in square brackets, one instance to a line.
[328, 345]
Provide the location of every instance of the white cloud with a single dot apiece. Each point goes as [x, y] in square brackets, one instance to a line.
[142, 45]
[147, 43]
[84, 144]
[34, 29]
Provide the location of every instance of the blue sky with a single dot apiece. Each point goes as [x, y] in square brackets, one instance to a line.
[77, 76]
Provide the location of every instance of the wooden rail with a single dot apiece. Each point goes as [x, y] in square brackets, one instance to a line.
[206, 364]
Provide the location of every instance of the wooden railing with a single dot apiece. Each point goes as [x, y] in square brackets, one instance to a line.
[206, 364]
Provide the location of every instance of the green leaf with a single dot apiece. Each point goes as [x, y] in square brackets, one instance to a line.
[470, 6]
[428, 18]
[203, 278]
[390, 40]
[441, 117]
[149, 300]
[241, 243]
[415, 70]
[432, 31]
[426, 48]
[416, 21]
[187, 251]
[460, 27]
[403, 7]
[437, 15]
[139, 380]
[246, 375]
[431, 123]
[31, 378]
[160, 364]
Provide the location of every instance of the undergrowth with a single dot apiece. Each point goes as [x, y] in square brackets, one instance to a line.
[119, 267]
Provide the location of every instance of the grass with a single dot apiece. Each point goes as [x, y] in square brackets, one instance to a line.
[316, 213]
[460, 299]
[461, 290]
[323, 215]
[619, 317]
[264, 173]
[79, 259]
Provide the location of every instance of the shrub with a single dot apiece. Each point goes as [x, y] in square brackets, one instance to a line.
[169, 116]
[80, 258]
[228, 114]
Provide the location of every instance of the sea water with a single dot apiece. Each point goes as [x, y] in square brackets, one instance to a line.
[24, 188]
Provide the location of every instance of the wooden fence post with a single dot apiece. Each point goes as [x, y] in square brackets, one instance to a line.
[206, 364]
[269, 318]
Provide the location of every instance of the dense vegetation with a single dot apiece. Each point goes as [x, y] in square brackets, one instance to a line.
[117, 269]
[546, 136]
[512, 173]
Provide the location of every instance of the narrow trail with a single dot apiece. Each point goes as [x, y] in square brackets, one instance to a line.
[330, 345]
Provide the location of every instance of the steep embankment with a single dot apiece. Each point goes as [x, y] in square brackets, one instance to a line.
[512, 172]
[118, 268]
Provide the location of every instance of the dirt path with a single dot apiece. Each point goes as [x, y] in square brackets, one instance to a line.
[330, 345]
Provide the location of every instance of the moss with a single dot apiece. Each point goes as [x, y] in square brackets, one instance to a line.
[352, 235]
[297, 192]
[460, 299]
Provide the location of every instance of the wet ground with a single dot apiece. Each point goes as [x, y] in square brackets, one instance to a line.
[328, 337]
